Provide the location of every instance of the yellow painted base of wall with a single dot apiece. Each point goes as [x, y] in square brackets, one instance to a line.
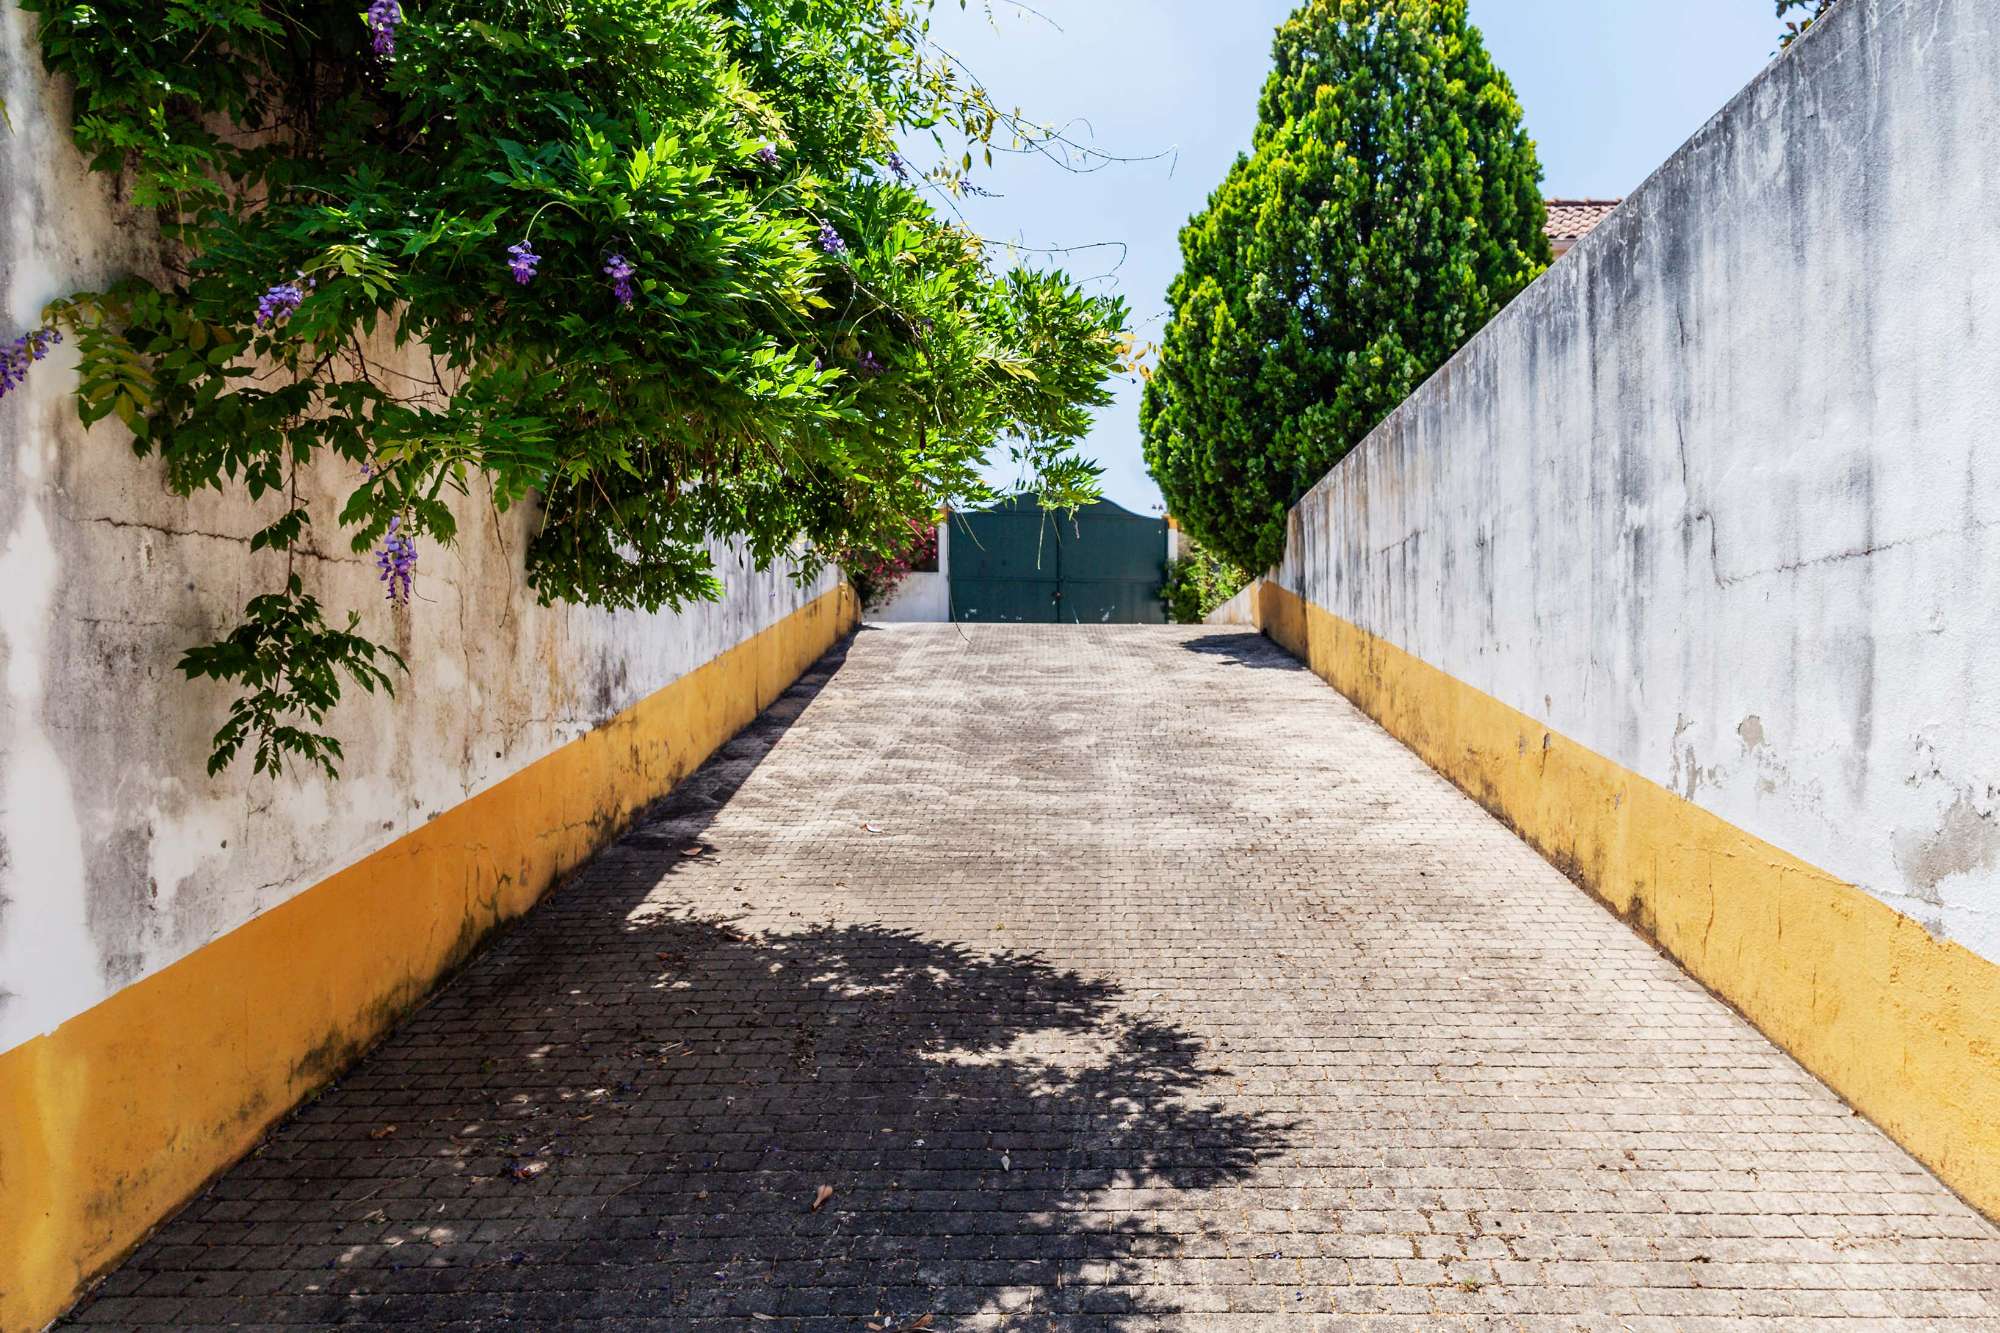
[1906, 1027]
[116, 1118]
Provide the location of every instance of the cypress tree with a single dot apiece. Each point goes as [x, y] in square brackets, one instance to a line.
[1389, 207]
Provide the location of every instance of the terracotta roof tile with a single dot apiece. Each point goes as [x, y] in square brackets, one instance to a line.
[1574, 219]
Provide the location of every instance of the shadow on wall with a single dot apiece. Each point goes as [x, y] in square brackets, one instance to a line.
[1248, 648]
[625, 1112]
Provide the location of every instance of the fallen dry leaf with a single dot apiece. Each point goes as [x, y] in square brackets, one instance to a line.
[819, 1199]
[692, 851]
[387, 1131]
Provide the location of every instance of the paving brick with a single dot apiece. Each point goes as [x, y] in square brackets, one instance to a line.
[1115, 979]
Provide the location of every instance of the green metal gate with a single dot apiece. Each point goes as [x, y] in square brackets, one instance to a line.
[1102, 565]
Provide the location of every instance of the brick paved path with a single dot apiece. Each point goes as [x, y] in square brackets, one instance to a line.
[1171, 994]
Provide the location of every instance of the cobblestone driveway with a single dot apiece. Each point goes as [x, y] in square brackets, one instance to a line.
[1112, 979]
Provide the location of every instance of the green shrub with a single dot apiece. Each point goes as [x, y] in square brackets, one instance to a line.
[1199, 582]
[1389, 208]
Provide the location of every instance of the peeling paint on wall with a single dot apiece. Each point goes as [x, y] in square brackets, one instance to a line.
[1965, 842]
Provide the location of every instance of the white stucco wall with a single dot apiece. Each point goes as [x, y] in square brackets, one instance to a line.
[118, 855]
[918, 599]
[1719, 496]
[923, 598]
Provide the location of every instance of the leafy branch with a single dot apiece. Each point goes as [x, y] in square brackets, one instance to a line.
[1797, 28]
[288, 663]
[655, 267]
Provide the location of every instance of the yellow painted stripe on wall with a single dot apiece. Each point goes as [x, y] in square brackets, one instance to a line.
[120, 1115]
[1903, 1025]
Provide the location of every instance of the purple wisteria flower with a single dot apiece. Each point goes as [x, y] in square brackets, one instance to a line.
[277, 304]
[17, 356]
[396, 561]
[521, 260]
[897, 165]
[383, 16]
[619, 269]
[869, 365]
[829, 239]
[767, 155]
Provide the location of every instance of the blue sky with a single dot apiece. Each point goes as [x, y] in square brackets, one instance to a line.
[1611, 88]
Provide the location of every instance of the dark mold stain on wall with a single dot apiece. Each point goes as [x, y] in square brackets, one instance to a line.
[120, 898]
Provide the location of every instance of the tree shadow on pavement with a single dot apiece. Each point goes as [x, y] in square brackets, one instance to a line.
[1245, 648]
[621, 1117]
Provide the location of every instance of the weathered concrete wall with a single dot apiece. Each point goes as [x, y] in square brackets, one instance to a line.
[1240, 609]
[129, 879]
[1716, 505]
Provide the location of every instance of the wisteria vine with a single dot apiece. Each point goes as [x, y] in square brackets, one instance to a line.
[658, 268]
[24, 351]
